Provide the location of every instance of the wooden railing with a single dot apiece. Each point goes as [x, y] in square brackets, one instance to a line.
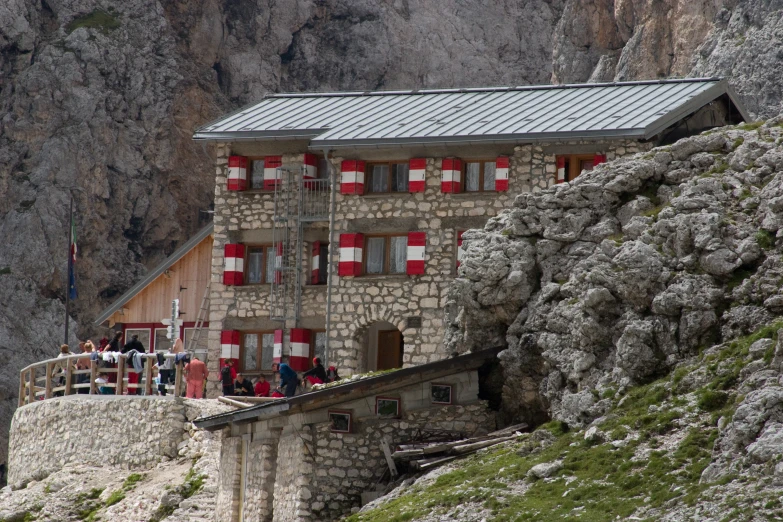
[57, 377]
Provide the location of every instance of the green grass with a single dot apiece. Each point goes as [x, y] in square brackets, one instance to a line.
[193, 483]
[711, 400]
[5, 270]
[738, 276]
[115, 497]
[750, 126]
[131, 481]
[765, 239]
[98, 19]
[739, 141]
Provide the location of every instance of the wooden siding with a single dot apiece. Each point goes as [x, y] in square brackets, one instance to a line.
[153, 303]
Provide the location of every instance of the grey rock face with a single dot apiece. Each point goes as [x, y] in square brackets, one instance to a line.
[703, 268]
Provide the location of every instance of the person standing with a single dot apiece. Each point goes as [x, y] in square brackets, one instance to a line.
[60, 367]
[83, 363]
[195, 374]
[289, 381]
[133, 374]
[166, 370]
[227, 377]
[113, 346]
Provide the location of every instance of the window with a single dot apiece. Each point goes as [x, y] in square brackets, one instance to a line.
[385, 254]
[318, 345]
[387, 177]
[162, 343]
[201, 344]
[323, 168]
[479, 176]
[143, 333]
[256, 351]
[259, 264]
[323, 264]
[574, 164]
[255, 174]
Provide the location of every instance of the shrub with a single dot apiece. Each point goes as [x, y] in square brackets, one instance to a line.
[710, 400]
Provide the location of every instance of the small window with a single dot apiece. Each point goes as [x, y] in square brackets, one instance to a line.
[144, 336]
[318, 345]
[259, 264]
[386, 254]
[575, 164]
[255, 174]
[387, 177]
[257, 351]
[162, 343]
[479, 176]
[323, 168]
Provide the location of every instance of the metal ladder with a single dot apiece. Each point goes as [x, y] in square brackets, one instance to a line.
[202, 313]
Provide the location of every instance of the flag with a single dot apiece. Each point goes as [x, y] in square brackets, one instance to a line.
[72, 263]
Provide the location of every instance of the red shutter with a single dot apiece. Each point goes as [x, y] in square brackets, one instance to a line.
[237, 173]
[234, 264]
[561, 173]
[460, 251]
[351, 246]
[598, 159]
[501, 173]
[316, 263]
[299, 346]
[352, 177]
[416, 243]
[417, 168]
[451, 175]
[272, 176]
[277, 347]
[309, 170]
[229, 347]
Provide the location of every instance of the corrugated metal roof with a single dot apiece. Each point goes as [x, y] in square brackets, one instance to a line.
[155, 273]
[384, 118]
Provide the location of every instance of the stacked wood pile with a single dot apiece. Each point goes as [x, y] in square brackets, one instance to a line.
[421, 456]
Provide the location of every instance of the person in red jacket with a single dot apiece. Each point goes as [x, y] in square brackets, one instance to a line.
[262, 387]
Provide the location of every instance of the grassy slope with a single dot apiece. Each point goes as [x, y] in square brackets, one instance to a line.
[660, 438]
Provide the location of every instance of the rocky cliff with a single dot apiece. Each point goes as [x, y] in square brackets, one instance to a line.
[640, 305]
[98, 99]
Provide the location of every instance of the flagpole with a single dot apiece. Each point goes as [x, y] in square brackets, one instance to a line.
[68, 274]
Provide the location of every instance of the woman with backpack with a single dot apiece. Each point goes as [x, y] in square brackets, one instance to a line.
[227, 376]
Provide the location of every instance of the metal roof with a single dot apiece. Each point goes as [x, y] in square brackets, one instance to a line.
[154, 274]
[522, 114]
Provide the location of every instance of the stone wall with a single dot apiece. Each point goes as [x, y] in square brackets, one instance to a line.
[227, 503]
[359, 302]
[121, 432]
[260, 480]
[294, 470]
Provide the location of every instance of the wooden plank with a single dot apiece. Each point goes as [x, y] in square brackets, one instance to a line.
[466, 448]
[436, 463]
[68, 377]
[509, 430]
[120, 375]
[148, 377]
[388, 456]
[48, 381]
[407, 453]
[232, 402]
[93, 376]
[22, 394]
[178, 369]
[252, 399]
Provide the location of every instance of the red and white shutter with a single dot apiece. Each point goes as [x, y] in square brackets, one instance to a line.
[351, 246]
[416, 170]
[501, 173]
[352, 177]
[598, 159]
[237, 173]
[315, 263]
[229, 344]
[460, 250]
[300, 349]
[272, 175]
[561, 173]
[416, 242]
[309, 170]
[279, 263]
[234, 264]
[277, 347]
[451, 176]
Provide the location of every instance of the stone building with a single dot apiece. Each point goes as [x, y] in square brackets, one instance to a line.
[401, 175]
[309, 458]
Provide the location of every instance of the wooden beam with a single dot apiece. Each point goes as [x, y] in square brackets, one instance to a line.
[120, 375]
[388, 456]
[31, 390]
[48, 381]
[178, 369]
[148, 377]
[68, 377]
[93, 376]
[22, 393]
[232, 402]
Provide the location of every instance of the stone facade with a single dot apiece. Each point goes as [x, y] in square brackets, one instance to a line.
[297, 470]
[121, 432]
[358, 303]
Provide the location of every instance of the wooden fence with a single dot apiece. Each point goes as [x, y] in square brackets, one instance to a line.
[60, 376]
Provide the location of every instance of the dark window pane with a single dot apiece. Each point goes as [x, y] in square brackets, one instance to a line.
[375, 255]
[257, 174]
[271, 259]
[586, 165]
[472, 171]
[489, 175]
[323, 168]
[255, 260]
[400, 177]
[320, 346]
[323, 264]
[250, 348]
[379, 178]
[267, 351]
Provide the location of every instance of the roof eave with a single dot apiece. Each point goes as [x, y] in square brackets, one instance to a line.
[298, 134]
[156, 272]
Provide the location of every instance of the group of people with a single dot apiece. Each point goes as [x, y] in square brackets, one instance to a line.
[238, 385]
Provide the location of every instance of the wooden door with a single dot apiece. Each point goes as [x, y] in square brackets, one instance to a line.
[389, 350]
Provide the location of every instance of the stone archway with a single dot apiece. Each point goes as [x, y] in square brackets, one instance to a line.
[367, 324]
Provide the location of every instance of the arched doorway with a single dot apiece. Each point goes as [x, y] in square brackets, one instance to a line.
[385, 346]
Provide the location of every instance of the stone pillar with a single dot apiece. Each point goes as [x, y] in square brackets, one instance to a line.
[292, 495]
[260, 479]
[227, 503]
